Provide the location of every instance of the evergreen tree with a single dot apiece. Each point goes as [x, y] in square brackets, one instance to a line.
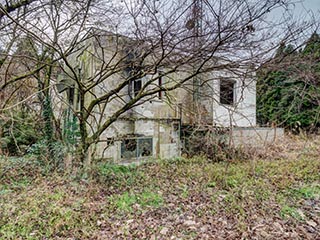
[288, 88]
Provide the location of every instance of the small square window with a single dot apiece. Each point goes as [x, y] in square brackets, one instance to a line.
[227, 89]
[129, 148]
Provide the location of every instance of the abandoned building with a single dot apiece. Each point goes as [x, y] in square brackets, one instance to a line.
[154, 126]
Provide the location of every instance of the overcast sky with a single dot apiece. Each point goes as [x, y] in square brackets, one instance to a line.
[311, 4]
[310, 7]
[304, 13]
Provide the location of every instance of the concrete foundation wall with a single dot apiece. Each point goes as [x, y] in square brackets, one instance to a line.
[255, 137]
[165, 141]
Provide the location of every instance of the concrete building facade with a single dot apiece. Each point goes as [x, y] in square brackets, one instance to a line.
[152, 127]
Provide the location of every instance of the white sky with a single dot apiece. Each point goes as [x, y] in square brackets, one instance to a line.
[306, 9]
[304, 13]
[310, 5]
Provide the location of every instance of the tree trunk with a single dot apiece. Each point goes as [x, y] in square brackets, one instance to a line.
[48, 128]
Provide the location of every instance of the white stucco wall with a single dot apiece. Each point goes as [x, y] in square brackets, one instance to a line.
[243, 112]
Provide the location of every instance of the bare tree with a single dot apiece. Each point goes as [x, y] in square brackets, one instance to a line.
[116, 56]
[188, 43]
[35, 35]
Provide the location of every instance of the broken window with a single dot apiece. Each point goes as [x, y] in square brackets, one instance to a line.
[227, 89]
[144, 147]
[129, 148]
[73, 98]
[136, 147]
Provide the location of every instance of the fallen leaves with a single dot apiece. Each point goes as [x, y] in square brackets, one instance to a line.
[179, 199]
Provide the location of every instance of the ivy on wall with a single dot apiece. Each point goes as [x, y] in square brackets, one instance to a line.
[71, 132]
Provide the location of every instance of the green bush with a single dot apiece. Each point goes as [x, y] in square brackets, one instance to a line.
[40, 151]
[117, 174]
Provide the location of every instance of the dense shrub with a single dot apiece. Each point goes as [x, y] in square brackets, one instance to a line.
[288, 88]
[18, 132]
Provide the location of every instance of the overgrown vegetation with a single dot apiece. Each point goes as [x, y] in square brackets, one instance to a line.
[211, 143]
[170, 49]
[288, 87]
[19, 130]
[182, 198]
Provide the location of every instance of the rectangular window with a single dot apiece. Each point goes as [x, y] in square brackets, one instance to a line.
[70, 94]
[144, 147]
[137, 85]
[160, 94]
[73, 98]
[136, 147]
[227, 89]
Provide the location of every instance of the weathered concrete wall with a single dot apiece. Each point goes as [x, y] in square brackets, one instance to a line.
[158, 118]
[152, 119]
[165, 141]
[205, 108]
[255, 137]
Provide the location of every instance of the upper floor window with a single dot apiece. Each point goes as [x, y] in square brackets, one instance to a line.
[70, 95]
[227, 91]
[160, 83]
[134, 87]
[137, 85]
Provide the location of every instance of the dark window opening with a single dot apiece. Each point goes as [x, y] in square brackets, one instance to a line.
[227, 92]
[70, 96]
[137, 85]
[160, 94]
[73, 97]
